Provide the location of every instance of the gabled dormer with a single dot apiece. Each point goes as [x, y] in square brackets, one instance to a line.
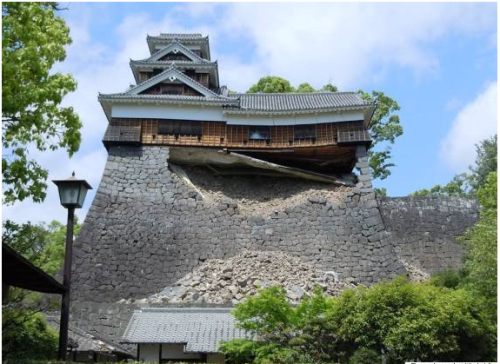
[172, 82]
[176, 51]
[195, 42]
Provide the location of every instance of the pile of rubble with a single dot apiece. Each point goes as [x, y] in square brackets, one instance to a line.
[414, 273]
[262, 195]
[220, 281]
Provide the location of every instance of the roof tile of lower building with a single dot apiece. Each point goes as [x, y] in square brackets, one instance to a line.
[200, 329]
[261, 103]
[168, 98]
[300, 101]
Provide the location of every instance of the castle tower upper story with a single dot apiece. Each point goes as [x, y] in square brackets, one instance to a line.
[188, 53]
[178, 102]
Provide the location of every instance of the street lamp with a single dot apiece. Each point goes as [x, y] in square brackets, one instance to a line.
[72, 194]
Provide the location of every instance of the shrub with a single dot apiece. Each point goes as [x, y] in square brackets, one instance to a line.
[410, 321]
[365, 356]
[26, 336]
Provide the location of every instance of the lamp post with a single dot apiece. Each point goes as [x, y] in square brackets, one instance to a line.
[72, 194]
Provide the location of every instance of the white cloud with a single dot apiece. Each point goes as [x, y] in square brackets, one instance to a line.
[346, 42]
[475, 122]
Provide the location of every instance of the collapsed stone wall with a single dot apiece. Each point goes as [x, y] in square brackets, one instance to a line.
[148, 227]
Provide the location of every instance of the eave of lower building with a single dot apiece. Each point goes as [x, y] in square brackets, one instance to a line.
[221, 109]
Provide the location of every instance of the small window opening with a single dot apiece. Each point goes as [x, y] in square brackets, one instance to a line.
[259, 133]
[301, 132]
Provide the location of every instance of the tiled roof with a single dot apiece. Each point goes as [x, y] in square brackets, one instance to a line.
[85, 340]
[201, 329]
[266, 103]
[159, 97]
[177, 63]
[177, 36]
[300, 101]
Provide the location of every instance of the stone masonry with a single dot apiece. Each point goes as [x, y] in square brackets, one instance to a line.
[148, 228]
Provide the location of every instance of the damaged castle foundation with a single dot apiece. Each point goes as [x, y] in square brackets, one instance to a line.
[148, 228]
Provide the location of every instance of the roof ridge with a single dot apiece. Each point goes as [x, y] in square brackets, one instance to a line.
[298, 93]
[176, 62]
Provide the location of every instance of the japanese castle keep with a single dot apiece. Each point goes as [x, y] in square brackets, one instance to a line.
[196, 173]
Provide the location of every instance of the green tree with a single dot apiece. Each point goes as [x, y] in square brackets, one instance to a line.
[459, 186]
[402, 320]
[305, 88]
[329, 88]
[271, 84]
[480, 264]
[43, 245]
[384, 128]
[408, 321]
[468, 183]
[33, 40]
[486, 162]
[26, 337]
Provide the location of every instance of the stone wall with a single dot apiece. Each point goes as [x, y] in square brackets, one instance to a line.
[148, 227]
[424, 229]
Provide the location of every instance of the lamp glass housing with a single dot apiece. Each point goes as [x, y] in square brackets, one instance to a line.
[72, 192]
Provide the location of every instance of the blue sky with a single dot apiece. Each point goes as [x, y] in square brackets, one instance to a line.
[439, 61]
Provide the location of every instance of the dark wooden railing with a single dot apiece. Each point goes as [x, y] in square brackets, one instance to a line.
[353, 136]
[123, 133]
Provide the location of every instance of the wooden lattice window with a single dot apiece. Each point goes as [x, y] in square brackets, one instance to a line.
[180, 127]
[301, 132]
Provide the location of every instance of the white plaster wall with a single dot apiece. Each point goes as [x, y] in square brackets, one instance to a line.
[214, 113]
[319, 118]
[149, 111]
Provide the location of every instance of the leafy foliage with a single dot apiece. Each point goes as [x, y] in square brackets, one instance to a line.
[26, 336]
[329, 88]
[276, 84]
[385, 127]
[468, 183]
[459, 186]
[449, 279]
[481, 241]
[33, 40]
[43, 245]
[408, 321]
[305, 87]
[239, 351]
[403, 320]
[381, 191]
[271, 84]
[365, 356]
